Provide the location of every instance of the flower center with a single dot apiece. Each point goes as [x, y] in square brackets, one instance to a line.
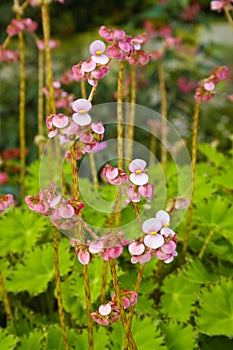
[138, 171]
[82, 111]
[98, 53]
[153, 233]
[166, 225]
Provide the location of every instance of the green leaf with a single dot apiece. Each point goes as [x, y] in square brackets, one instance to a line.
[146, 335]
[215, 316]
[178, 337]
[35, 273]
[31, 341]
[212, 154]
[196, 272]
[54, 339]
[216, 343]
[23, 229]
[7, 341]
[178, 298]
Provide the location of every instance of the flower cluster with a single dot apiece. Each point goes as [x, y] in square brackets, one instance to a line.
[125, 47]
[220, 4]
[17, 26]
[62, 212]
[6, 201]
[206, 89]
[95, 67]
[8, 56]
[114, 176]
[139, 179]
[108, 313]
[108, 247]
[62, 98]
[158, 240]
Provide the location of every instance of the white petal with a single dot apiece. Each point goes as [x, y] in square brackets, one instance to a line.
[163, 217]
[154, 241]
[81, 119]
[139, 179]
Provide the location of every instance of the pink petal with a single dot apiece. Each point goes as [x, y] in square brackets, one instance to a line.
[154, 241]
[144, 258]
[81, 119]
[134, 260]
[97, 45]
[52, 133]
[55, 201]
[151, 225]
[88, 66]
[166, 231]
[115, 252]
[81, 104]
[96, 247]
[139, 179]
[124, 46]
[105, 310]
[209, 86]
[162, 256]
[137, 164]
[112, 173]
[136, 248]
[66, 211]
[60, 121]
[84, 257]
[100, 59]
[168, 260]
[163, 217]
[98, 128]
[169, 248]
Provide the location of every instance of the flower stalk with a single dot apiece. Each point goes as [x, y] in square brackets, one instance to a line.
[163, 93]
[205, 245]
[120, 115]
[194, 161]
[6, 303]
[40, 98]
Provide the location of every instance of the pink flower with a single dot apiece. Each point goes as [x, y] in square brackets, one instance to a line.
[146, 191]
[137, 168]
[107, 33]
[87, 66]
[6, 201]
[8, 56]
[167, 252]
[53, 44]
[114, 176]
[3, 178]
[16, 26]
[133, 195]
[81, 107]
[216, 5]
[96, 49]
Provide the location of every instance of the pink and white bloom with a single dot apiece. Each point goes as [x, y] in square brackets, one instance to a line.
[114, 176]
[138, 176]
[6, 201]
[167, 252]
[82, 107]
[216, 5]
[97, 49]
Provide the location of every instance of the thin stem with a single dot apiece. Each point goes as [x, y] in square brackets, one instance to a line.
[203, 248]
[81, 225]
[92, 93]
[120, 116]
[83, 88]
[153, 146]
[104, 282]
[132, 344]
[88, 308]
[49, 71]
[40, 97]
[22, 99]
[228, 16]
[130, 127]
[163, 112]
[132, 308]
[6, 303]
[6, 42]
[58, 289]
[194, 161]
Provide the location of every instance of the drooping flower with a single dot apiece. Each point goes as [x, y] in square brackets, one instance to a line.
[139, 252]
[82, 107]
[97, 49]
[114, 176]
[6, 201]
[138, 176]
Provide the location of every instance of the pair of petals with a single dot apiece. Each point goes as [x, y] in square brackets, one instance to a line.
[82, 107]
[138, 176]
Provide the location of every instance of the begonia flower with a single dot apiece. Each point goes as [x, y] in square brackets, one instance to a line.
[97, 49]
[81, 107]
[138, 176]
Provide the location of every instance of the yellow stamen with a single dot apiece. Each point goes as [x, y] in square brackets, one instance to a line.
[153, 233]
[82, 111]
[166, 225]
[138, 171]
[98, 53]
